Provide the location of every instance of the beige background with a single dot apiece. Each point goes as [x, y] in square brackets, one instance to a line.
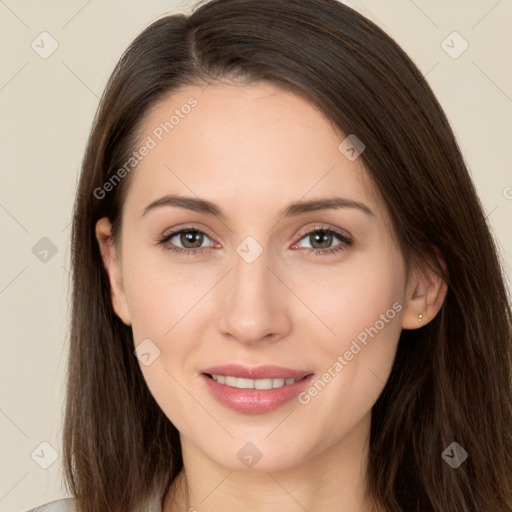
[46, 109]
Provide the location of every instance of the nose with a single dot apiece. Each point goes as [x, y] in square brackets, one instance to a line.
[254, 302]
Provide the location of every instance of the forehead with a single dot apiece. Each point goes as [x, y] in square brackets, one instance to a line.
[254, 144]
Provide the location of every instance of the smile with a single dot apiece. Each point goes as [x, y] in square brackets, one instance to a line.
[254, 396]
[241, 383]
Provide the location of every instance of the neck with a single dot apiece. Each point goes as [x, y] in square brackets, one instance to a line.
[333, 479]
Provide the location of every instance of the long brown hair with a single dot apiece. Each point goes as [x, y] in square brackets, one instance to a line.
[451, 380]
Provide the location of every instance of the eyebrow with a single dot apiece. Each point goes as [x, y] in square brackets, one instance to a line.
[292, 210]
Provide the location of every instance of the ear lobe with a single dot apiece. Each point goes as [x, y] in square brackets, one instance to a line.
[426, 292]
[112, 265]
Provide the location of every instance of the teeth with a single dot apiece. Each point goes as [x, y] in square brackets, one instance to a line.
[240, 383]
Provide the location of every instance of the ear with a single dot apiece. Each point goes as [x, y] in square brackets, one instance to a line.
[426, 291]
[112, 264]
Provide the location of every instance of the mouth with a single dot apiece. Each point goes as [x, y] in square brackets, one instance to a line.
[255, 390]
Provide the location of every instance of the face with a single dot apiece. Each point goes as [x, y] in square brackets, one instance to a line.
[319, 292]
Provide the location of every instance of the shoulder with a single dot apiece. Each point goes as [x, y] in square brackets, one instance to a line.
[69, 505]
[63, 505]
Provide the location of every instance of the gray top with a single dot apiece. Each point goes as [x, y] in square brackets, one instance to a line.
[68, 505]
[63, 505]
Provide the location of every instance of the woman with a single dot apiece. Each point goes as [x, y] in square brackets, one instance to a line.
[368, 370]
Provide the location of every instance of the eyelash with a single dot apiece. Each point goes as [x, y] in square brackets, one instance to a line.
[345, 242]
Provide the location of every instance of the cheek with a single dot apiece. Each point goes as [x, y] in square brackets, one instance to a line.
[159, 295]
[364, 309]
[362, 306]
[165, 308]
[354, 297]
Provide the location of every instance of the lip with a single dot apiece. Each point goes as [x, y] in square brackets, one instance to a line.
[255, 401]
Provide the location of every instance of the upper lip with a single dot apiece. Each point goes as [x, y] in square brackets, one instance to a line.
[256, 372]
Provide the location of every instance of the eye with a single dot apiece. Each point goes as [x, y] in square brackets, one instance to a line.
[190, 238]
[321, 239]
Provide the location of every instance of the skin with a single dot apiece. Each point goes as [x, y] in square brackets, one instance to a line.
[252, 150]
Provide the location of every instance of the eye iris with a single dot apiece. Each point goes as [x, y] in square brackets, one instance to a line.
[319, 235]
[189, 236]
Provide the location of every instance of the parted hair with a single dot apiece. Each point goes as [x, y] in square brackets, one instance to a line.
[451, 380]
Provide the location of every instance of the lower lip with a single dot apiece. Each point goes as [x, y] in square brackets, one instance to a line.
[255, 401]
